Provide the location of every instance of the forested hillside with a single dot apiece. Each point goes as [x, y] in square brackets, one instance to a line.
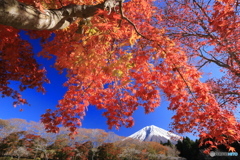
[20, 138]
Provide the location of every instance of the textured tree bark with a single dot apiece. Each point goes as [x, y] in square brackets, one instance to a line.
[22, 16]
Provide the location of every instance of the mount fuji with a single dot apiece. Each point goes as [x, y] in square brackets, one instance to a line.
[156, 134]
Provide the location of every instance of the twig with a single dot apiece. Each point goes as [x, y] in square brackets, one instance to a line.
[189, 89]
[201, 8]
[199, 67]
[129, 21]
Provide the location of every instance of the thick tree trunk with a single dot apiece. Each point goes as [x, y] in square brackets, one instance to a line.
[22, 16]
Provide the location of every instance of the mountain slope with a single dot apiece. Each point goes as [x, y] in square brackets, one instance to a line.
[97, 136]
[156, 134]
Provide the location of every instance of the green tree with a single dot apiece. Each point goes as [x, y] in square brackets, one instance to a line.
[187, 148]
[168, 143]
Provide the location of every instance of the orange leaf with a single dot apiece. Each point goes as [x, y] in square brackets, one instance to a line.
[231, 149]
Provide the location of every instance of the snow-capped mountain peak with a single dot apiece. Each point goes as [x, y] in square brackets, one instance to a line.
[154, 133]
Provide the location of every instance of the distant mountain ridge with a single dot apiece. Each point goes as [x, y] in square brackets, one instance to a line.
[156, 134]
[97, 136]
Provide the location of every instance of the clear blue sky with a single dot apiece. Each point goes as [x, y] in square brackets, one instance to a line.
[93, 119]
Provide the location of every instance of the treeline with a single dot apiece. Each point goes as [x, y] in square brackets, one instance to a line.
[192, 151]
[22, 144]
[19, 138]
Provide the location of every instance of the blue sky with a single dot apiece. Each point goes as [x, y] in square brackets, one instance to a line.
[93, 119]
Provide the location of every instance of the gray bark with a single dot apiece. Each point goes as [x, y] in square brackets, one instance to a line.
[22, 16]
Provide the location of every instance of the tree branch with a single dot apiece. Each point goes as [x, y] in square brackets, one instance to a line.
[129, 21]
[22, 16]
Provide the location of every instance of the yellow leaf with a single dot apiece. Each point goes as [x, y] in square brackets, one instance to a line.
[117, 73]
[133, 38]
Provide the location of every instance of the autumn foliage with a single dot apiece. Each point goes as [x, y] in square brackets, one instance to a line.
[88, 144]
[133, 56]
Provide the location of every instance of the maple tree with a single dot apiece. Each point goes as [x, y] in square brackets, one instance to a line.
[119, 56]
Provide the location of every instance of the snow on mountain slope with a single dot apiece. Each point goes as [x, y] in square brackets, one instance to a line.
[156, 134]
